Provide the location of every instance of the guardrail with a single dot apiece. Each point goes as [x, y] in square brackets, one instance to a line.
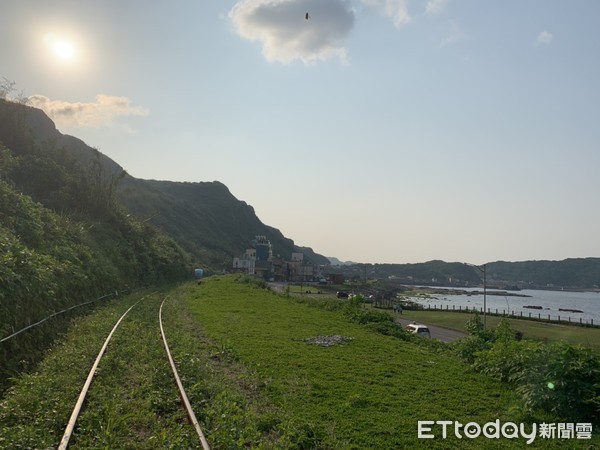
[539, 316]
[16, 333]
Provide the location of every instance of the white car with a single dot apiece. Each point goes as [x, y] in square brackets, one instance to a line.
[419, 330]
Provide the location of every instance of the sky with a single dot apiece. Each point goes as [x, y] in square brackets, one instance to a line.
[379, 131]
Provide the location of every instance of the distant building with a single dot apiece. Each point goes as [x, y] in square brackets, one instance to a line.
[245, 264]
[336, 278]
[262, 247]
[258, 260]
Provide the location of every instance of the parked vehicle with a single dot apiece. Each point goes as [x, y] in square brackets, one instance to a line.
[418, 329]
[341, 294]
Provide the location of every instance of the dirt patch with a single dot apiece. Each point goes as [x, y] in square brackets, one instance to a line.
[326, 341]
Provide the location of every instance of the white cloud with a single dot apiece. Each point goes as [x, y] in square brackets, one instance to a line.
[456, 35]
[96, 114]
[286, 35]
[544, 38]
[396, 10]
[435, 6]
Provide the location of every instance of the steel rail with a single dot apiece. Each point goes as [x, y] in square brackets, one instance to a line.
[182, 394]
[64, 443]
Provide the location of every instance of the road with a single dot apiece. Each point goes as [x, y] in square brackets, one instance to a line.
[439, 333]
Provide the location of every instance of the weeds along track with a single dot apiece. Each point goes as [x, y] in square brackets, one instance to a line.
[64, 443]
[130, 384]
[182, 394]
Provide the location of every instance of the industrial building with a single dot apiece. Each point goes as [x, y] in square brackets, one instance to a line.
[258, 260]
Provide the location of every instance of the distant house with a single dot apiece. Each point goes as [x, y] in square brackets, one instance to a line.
[336, 278]
[258, 260]
[244, 264]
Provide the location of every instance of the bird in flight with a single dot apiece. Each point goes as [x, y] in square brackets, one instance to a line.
[307, 16]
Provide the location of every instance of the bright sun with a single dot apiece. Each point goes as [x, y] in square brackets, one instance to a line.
[64, 49]
[60, 47]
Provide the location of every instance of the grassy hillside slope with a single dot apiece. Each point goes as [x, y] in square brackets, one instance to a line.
[63, 239]
[205, 219]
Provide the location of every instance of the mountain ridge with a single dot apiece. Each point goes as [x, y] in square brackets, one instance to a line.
[205, 215]
[204, 218]
[570, 273]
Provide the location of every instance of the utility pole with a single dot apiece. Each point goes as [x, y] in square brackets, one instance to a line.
[483, 270]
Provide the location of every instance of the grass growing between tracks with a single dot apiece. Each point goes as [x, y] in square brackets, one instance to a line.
[36, 409]
[367, 392]
[133, 402]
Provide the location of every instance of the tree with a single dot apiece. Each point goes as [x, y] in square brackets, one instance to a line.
[8, 92]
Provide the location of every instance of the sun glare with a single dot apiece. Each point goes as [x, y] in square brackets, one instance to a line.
[61, 48]
[64, 49]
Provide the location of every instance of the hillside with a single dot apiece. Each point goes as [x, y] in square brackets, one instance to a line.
[63, 238]
[573, 273]
[205, 219]
[569, 273]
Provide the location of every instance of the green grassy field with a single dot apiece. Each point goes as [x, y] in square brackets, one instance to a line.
[368, 392]
[589, 337]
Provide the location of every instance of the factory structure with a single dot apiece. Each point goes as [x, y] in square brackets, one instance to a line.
[258, 260]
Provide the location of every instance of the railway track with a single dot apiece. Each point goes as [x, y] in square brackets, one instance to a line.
[182, 394]
[95, 373]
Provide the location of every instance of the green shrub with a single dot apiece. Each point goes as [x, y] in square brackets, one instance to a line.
[467, 348]
[556, 378]
[475, 327]
[390, 329]
[563, 380]
[506, 360]
[322, 303]
[362, 316]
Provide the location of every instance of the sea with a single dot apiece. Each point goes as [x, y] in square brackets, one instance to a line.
[547, 303]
